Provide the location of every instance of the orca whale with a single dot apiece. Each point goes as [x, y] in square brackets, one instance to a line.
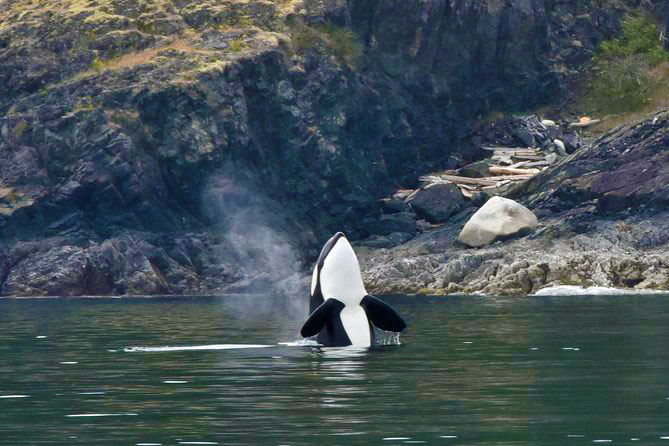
[341, 311]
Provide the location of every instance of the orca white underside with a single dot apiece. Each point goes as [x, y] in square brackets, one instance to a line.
[355, 322]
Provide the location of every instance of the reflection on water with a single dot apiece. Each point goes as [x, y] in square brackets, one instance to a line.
[470, 371]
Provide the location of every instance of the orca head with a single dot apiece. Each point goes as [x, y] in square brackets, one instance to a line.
[315, 282]
[338, 272]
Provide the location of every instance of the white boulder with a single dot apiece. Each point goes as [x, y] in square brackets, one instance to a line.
[497, 219]
[561, 150]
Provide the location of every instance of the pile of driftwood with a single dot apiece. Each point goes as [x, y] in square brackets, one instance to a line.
[513, 165]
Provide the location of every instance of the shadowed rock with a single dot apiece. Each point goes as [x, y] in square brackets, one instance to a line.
[437, 203]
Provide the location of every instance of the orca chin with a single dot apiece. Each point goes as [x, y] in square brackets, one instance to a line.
[342, 313]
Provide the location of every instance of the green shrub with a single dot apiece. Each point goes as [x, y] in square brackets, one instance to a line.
[624, 86]
[303, 37]
[237, 45]
[640, 38]
[342, 42]
[623, 79]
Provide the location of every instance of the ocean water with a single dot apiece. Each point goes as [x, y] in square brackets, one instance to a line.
[231, 370]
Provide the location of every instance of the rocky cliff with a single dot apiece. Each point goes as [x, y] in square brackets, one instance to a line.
[604, 221]
[171, 147]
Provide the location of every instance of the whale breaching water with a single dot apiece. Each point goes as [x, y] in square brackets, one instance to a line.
[341, 311]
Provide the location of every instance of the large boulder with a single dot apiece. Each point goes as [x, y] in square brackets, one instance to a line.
[438, 202]
[499, 218]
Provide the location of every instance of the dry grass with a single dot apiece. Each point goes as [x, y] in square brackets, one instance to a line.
[285, 7]
[131, 60]
[143, 57]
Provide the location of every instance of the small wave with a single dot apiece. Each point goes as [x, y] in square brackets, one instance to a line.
[86, 415]
[382, 337]
[573, 290]
[198, 442]
[306, 342]
[194, 348]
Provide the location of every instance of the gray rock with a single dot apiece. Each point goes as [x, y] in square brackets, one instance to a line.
[394, 205]
[385, 241]
[525, 136]
[400, 222]
[571, 141]
[423, 225]
[437, 203]
[499, 218]
[551, 158]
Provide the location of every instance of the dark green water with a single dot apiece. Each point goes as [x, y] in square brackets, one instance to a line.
[470, 371]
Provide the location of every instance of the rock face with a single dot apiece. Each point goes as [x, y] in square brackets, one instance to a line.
[605, 222]
[627, 170]
[499, 218]
[163, 121]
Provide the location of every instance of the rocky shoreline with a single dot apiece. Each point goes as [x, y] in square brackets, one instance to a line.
[604, 221]
[204, 147]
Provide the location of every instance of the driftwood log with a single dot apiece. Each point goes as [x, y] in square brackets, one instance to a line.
[520, 157]
[499, 170]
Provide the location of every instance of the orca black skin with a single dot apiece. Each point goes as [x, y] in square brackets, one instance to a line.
[341, 311]
[327, 325]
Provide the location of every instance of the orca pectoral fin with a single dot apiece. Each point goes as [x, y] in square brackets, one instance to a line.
[320, 316]
[382, 315]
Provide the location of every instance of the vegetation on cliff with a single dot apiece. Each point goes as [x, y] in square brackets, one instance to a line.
[630, 73]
